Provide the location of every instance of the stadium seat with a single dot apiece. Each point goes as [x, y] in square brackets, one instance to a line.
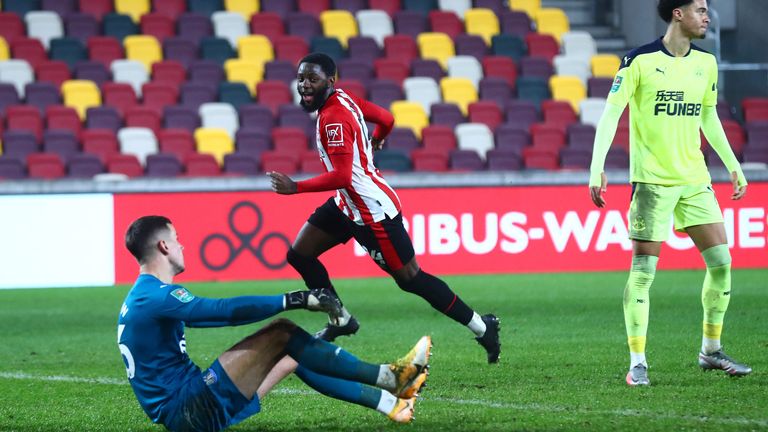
[402, 139]
[257, 117]
[92, 71]
[513, 22]
[339, 24]
[558, 113]
[578, 159]
[180, 117]
[497, 90]
[465, 160]
[44, 25]
[303, 25]
[252, 143]
[119, 26]
[389, 6]
[157, 96]
[170, 8]
[533, 89]
[471, 45]
[163, 165]
[193, 94]
[63, 117]
[423, 91]
[482, 22]
[536, 67]
[420, 6]
[194, 26]
[755, 109]
[487, 113]
[202, 165]
[55, 72]
[246, 8]
[121, 96]
[352, 86]
[572, 66]
[581, 136]
[590, 110]
[81, 26]
[105, 49]
[255, 48]
[459, 91]
[465, 67]
[11, 26]
[216, 49]
[442, 21]
[8, 97]
[552, 21]
[599, 87]
[47, 166]
[541, 159]
[542, 45]
[97, 8]
[68, 50]
[273, 94]
[531, 7]
[16, 72]
[578, 43]
[457, 7]
[503, 160]
[511, 138]
[42, 94]
[355, 70]
[279, 7]
[568, 88]
[158, 26]
[29, 50]
[19, 144]
[84, 166]
[392, 160]
[436, 46]
[427, 68]
[178, 142]
[133, 8]
[267, 24]
[205, 7]
[219, 115]
[429, 160]
[376, 24]
[216, 142]
[168, 72]
[181, 50]
[605, 65]
[144, 49]
[229, 26]
[509, 46]
[247, 72]
[130, 72]
[329, 46]
[22, 117]
[410, 115]
[137, 141]
[384, 92]
[235, 94]
[400, 48]
[364, 49]
[290, 48]
[438, 137]
[410, 23]
[474, 136]
[143, 117]
[448, 114]
[126, 164]
[61, 142]
[548, 136]
[103, 117]
[281, 162]
[80, 95]
[280, 70]
[289, 140]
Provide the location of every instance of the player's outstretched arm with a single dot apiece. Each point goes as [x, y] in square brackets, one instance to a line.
[713, 131]
[606, 130]
[282, 184]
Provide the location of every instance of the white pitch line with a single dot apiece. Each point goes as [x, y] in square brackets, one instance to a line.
[480, 402]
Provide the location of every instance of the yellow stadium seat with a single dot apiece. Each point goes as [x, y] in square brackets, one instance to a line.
[528, 6]
[605, 65]
[5, 53]
[459, 91]
[244, 71]
[144, 49]
[246, 8]
[340, 24]
[255, 48]
[552, 21]
[410, 115]
[569, 89]
[133, 8]
[214, 141]
[436, 46]
[482, 22]
[80, 95]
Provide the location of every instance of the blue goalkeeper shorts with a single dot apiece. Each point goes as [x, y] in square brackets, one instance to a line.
[209, 402]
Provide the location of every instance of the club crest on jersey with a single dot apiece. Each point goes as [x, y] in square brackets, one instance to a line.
[182, 295]
[334, 134]
[616, 84]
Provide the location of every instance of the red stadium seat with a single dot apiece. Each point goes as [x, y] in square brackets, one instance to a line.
[537, 158]
[735, 134]
[29, 49]
[755, 109]
[168, 72]
[289, 140]
[388, 6]
[100, 142]
[46, 166]
[314, 7]
[542, 45]
[558, 113]
[143, 117]
[268, 24]
[158, 25]
[438, 138]
[446, 22]
[487, 113]
[390, 69]
[97, 8]
[311, 163]
[429, 160]
[352, 86]
[11, 26]
[179, 142]
[273, 94]
[127, 164]
[290, 48]
[621, 139]
[118, 95]
[55, 72]
[547, 136]
[501, 67]
[280, 162]
[105, 49]
[401, 47]
[201, 165]
[159, 95]
[24, 117]
[63, 117]
[169, 8]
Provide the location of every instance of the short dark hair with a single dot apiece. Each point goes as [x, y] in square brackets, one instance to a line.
[140, 234]
[665, 8]
[325, 62]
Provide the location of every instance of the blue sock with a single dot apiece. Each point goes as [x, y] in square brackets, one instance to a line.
[338, 388]
[328, 359]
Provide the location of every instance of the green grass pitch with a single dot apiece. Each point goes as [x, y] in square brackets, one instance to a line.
[563, 361]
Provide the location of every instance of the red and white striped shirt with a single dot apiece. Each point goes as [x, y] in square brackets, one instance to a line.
[347, 154]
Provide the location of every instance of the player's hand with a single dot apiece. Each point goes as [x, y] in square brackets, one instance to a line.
[317, 299]
[281, 183]
[596, 192]
[377, 143]
[738, 190]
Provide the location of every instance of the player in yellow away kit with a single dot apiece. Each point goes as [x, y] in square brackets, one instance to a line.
[671, 88]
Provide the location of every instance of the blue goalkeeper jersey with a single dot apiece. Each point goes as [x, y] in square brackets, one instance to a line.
[150, 335]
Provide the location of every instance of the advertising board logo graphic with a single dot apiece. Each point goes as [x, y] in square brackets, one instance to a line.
[334, 133]
[245, 239]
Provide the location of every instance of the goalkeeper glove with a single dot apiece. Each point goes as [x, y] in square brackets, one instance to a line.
[316, 299]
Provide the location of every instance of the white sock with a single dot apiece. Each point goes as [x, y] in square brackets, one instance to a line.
[386, 378]
[636, 359]
[708, 346]
[477, 325]
[386, 403]
[342, 320]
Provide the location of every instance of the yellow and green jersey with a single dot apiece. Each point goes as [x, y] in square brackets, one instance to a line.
[665, 95]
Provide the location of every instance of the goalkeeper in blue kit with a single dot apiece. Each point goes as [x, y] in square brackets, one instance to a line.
[175, 392]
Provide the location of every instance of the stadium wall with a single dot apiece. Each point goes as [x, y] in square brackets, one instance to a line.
[77, 239]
